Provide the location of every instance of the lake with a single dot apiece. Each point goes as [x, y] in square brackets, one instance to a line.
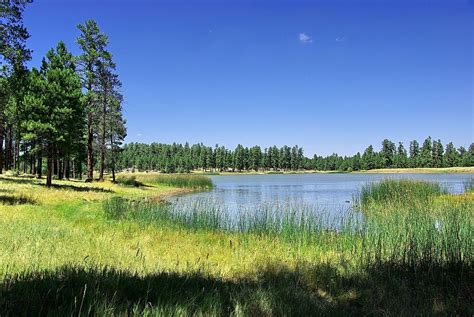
[328, 193]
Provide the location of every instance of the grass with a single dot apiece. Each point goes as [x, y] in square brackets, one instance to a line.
[106, 249]
[421, 170]
[173, 180]
[399, 192]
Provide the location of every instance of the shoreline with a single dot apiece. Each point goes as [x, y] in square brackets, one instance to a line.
[423, 170]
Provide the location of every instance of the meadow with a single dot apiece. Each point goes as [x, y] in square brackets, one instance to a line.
[108, 249]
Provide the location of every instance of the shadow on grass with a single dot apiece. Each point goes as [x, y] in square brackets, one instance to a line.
[309, 291]
[57, 185]
[16, 200]
[79, 188]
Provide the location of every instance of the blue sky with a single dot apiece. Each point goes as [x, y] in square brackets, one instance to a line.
[329, 77]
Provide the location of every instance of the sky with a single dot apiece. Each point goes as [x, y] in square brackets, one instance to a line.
[330, 76]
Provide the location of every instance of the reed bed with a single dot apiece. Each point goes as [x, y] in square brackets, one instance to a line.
[400, 192]
[404, 233]
[173, 180]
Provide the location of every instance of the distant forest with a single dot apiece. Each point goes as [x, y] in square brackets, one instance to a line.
[171, 158]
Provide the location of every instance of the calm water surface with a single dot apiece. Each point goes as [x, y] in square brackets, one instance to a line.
[331, 193]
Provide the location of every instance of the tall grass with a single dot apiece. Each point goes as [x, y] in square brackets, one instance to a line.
[174, 180]
[469, 186]
[196, 216]
[403, 233]
[128, 180]
[74, 254]
[400, 192]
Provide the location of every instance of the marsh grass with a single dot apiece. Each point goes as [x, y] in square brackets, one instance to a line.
[405, 235]
[469, 186]
[174, 180]
[128, 180]
[122, 253]
[399, 191]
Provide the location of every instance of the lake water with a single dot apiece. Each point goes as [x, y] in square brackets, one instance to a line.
[330, 193]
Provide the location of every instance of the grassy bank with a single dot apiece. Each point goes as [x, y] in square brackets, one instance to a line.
[174, 180]
[445, 170]
[108, 249]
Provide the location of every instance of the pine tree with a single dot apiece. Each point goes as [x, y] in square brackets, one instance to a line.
[368, 158]
[388, 151]
[108, 97]
[117, 130]
[54, 107]
[13, 78]
[93, 45]
[414, 154]
[451, 155]
[426, 159]
[401, 157]
[437, 154]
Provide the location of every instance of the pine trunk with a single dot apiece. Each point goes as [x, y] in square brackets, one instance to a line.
[112, 156]
[102, 139]
[49, 167]
[1, 144]
[90, 153]
[39, 167]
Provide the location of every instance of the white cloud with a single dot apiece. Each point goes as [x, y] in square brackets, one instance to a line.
[305, 39]
[139, 135]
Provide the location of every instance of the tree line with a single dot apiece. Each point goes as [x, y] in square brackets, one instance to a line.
[170, 158]
[65, 117]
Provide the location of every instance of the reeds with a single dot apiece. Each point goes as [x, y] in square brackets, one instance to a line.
[409, 231]
[174, 180]
[400, 192]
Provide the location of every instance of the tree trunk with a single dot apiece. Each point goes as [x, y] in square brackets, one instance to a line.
[55, 166]
[79, 169]
[16, 155]
[25, 162]
[32, 165]
[1, 144]
[60, 169]
[8, 149]
[73, 168]
[102, 139]
[49, 167]
[39, 167]
[112, 156]
[66, 168]
[90, 153]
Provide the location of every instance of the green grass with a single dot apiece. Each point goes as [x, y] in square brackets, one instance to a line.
[174, 180]
[401, 191]
[105, 249]
[128, 180]
[469, 186]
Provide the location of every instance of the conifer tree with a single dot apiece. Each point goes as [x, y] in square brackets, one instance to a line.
[451, 155]
[13, 77]
[54, 107]
[414, 154]
[93, 44]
